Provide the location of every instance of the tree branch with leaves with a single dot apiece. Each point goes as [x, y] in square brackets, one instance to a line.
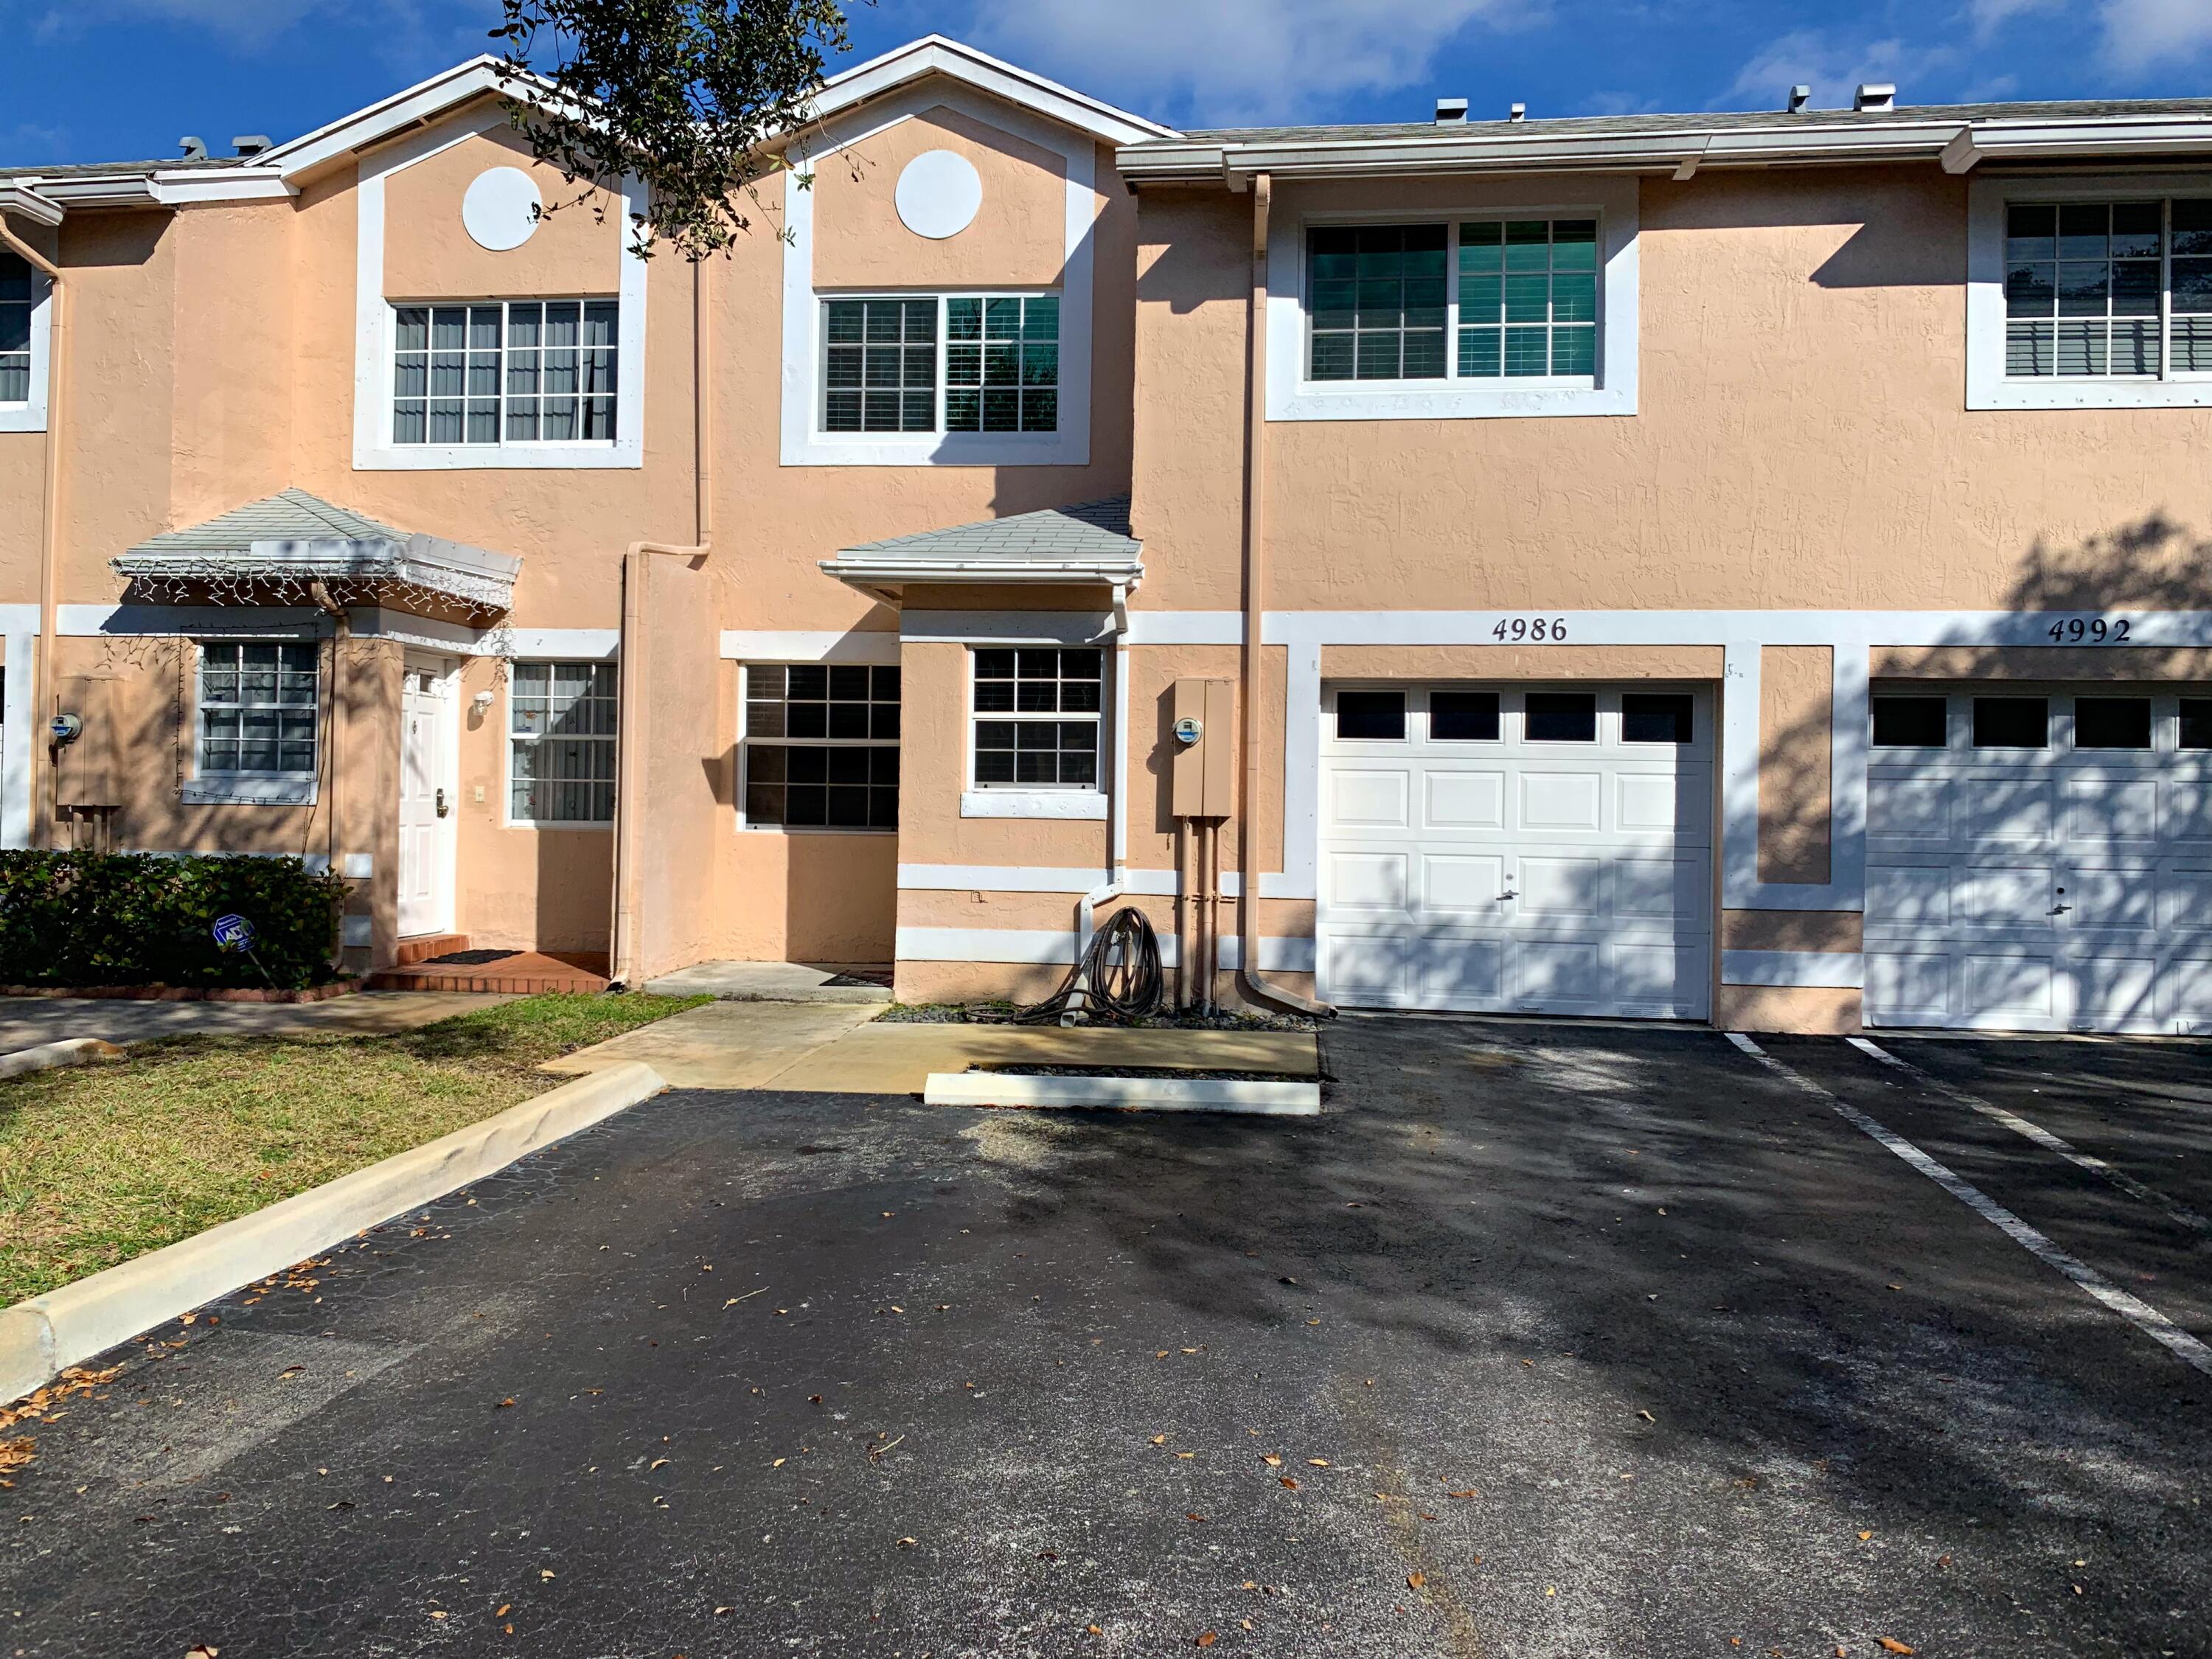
[685, 94]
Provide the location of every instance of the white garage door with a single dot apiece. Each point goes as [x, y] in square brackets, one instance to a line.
[2040, 861]
[1546, 850]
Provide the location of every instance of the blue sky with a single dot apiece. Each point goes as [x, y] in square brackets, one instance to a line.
[106, 80]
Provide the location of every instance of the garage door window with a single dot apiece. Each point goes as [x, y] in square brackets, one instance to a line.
[2012, 722]
[1371, 716]
[2112, 722]
[1910, 722]
[1463, 716]
[2197, 722]
[1649, 718]
[1561, 717]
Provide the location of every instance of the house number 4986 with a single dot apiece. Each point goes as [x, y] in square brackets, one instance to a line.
[1513, 629]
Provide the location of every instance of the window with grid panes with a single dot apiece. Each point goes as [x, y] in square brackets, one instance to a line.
[561, 743]
[821, 746]
[1002, 363]
[257, 708]
[879, 367]
[1528, 298]
[515, 371]
[2108, 290]
[1036, 715]
[1379, 297]
[15, 328]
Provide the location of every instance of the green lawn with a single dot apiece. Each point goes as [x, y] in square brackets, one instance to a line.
[101, 1164]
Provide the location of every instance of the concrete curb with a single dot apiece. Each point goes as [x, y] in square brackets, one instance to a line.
[40, 1338]
[1141, 1094]
[70, 1051]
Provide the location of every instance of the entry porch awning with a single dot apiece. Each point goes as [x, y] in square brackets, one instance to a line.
[1088, 543]
[274, 552]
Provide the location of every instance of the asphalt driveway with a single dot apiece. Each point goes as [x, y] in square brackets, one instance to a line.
[1546, 1341]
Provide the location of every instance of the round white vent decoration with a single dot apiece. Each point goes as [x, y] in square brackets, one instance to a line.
[938, 194]
[501, 210]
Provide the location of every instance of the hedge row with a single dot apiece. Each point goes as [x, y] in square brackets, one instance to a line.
[143, 919]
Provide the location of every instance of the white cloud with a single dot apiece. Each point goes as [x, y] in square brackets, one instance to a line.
[401, 29]
[1988, 16]
[1229, 61]
[2145, 35]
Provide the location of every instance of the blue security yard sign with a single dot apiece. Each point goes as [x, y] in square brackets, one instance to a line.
[232, 932]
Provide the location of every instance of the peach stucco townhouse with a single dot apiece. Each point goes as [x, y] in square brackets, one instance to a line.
[1745, 568]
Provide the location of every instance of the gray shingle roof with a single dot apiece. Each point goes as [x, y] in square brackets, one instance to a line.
[1090, 530]
[1705, 121]
[289, 515]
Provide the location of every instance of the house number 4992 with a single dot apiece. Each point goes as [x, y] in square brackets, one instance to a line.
[1513, 629]
[2090, 630]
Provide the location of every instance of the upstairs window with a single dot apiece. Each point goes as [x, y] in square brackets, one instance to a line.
[2113, 290]
[505, 372]
[14, 329]
[1484, 300]
[962, 362]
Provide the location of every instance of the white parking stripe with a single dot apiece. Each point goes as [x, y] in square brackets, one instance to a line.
[2041, 1136]
[2133, 1309]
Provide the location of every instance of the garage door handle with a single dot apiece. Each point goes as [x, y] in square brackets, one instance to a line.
[2058, 909]
[1509, 894]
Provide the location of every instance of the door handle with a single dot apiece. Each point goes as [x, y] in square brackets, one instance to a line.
[2057, 909]
[1508, 894]
[444, 806]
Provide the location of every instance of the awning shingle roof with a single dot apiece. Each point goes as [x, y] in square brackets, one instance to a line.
[1088, 542]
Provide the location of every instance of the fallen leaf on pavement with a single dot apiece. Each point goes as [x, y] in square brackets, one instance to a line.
[1942, 1560]
[1095, 1630]
[1271, 1460]
[1469, 1493]
[502, 1614]
[202, 1651]
[1891, 1644]
[1415, 1580]
[504, 1404]
[1318, 1462]
[1192, 1515]
[1159, 1440]
[906, 1543]
[1208, 1639]
[1645, 1415]
[1864, 1536]
[1291, 1484]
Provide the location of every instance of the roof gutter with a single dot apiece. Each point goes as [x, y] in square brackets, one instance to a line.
[41, 825]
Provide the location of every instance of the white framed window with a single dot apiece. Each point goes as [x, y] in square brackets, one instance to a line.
[1461, 309]
[561, 743]
[1034, 717]
[506, 371]
[948, 362]
[255, 728]
[2090, 294]
[821, 746]
[24, 312]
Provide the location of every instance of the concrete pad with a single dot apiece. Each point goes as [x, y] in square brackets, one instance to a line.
[1011, 1089]
[766, 981]
[723, 1045]
[898, 1059]
[26, 1022]
[70, 1051]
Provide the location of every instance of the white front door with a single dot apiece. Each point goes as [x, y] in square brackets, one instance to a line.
[1517, 849]
[2039, 858]
[427, 719]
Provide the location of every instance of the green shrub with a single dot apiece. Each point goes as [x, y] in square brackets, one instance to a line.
[143, 919]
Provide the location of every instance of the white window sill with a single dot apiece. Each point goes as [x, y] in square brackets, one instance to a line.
[2055, 393]
[1032, 804]
[465, 458]
[1429, 400]
[22, 417]
[938, 449]
[244, 790]
[559, 823]
[809, 830]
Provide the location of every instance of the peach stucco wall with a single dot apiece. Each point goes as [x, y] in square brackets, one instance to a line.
[428, 253]
[1019, 239]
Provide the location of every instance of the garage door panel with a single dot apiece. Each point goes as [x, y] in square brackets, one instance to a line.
[2185, 991]
[2184, 899]
[1369, 881]
[1451, 972]
[1909, 809]
[1908, 895]
[2007, 896]
[1557, 974]
[1367, 967]
[1462, 885]
[2022, 984]
[1562, 800]
[1641, 801]
[2115, 990]
[2185, 812]
[1660, 976]
[2113, 899]
[1370, 801]
[1562, 888]
[2008, 807]
[1463, 800]
[1910, 985]
[1659, 890]
[2110, 808]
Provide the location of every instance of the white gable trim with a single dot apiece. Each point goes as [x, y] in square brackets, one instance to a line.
[938, 54]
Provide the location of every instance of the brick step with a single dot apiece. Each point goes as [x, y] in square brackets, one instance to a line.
[523, 973]
[423, 946]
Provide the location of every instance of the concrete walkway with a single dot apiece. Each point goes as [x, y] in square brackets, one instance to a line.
[817, 1049]
[769, 981]
[25, 1021]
